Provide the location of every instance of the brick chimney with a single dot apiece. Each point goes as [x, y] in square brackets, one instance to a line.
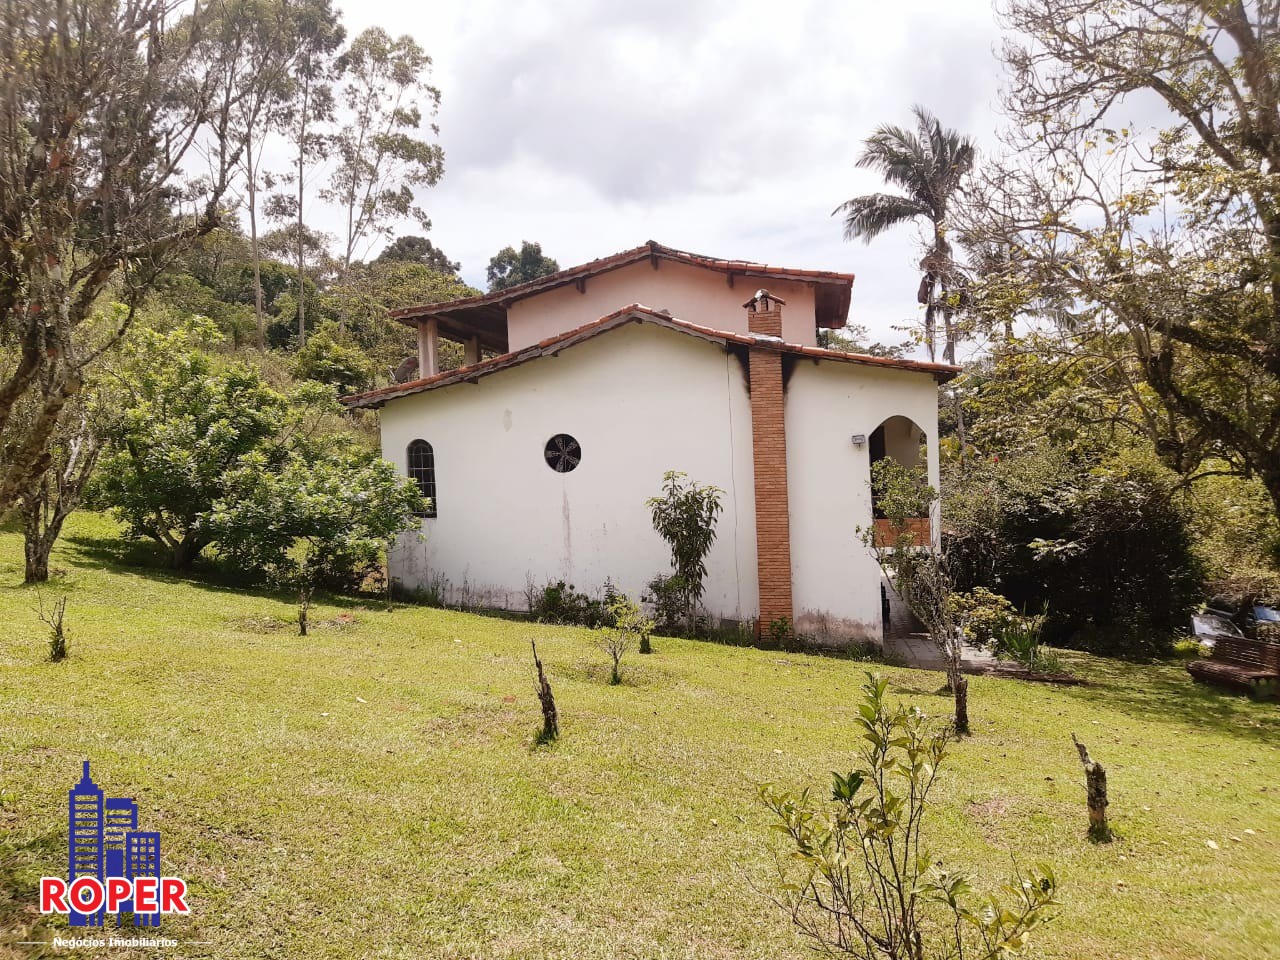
[769, 453]
[764, 314]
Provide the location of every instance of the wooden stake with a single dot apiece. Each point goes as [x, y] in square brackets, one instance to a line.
[550, 719]
[1095, 782]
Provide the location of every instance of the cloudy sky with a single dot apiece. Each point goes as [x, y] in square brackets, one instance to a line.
[726, 128]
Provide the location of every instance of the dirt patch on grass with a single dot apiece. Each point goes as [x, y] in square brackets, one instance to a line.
[263, 624]
[996, 817]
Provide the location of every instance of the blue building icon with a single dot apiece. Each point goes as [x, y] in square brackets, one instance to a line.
[142, 859]
[103, 841]
[85, 815]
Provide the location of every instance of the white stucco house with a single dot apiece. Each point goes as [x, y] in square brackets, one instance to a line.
[598, 379]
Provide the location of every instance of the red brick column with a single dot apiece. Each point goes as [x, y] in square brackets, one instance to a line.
[769, 449]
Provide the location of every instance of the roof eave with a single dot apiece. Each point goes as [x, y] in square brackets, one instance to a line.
[941, 372]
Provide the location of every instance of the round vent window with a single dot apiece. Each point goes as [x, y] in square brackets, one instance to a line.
[563, 453]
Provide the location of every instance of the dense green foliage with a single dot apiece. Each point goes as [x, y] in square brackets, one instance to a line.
[1156, 246]
[312, 521]
[510, 266]
[330, 358]
[415, 249]
[1107, 547]
[561, 602]
[195, 431]
[185, 420]
[685, 516]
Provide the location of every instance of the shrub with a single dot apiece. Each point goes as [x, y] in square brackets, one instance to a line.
[626, 627]
[1106, 546]
[184, 421]
[984, 614]
[781, 635]
[922, 574]
[561, 602]
[856, 876]
[685, 516]
[54, 620]
[1018, 638]
[315, 521]
[667, 598]
[327, 358]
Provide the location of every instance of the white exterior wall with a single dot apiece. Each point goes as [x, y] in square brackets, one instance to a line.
[690, 293]
[641, 400]
[835, 579]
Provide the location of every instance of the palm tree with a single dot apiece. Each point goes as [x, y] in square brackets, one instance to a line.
[928, 164]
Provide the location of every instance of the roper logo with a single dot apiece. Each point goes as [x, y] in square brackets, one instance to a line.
[112, 866]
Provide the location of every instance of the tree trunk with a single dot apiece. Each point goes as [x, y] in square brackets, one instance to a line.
[302, 149]
[304, 604]
[931, 325]
[184, 552]
[948, 325]
[36, 545]
[1095, 784]
[960, 688]
[550, 718]
[1271, 480]
[252, 185]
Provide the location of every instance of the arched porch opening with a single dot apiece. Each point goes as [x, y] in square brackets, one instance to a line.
[902, 440]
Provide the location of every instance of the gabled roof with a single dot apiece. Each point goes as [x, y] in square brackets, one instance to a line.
[636, 313]
[485, 315]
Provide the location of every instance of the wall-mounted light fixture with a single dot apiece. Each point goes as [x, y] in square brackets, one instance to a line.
[859, 439]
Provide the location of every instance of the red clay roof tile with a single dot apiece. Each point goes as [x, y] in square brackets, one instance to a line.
[501, 298]
[636, 312]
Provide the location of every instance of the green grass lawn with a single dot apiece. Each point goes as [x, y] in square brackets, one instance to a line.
[376, 787]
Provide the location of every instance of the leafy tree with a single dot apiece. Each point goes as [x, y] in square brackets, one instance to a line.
[1105, 544]
[103, 106]
[853, 339]
[685, 516]
[330, 358]
[928, 164]
[414, 249]
[1165, 242]
[856, 876]
[510, 267]
[1237, 536]
[304, 115]
[625, 627]
[380, 156]
[266, 40]
[370, 290]
[313, 520]
[185, 421]
[309, 273]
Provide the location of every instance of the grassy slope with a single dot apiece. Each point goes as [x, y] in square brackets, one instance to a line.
[422, 821]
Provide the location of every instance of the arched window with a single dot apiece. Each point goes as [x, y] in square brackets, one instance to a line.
[422, 470]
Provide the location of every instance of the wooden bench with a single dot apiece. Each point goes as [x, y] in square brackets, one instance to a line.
[1252, 665]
